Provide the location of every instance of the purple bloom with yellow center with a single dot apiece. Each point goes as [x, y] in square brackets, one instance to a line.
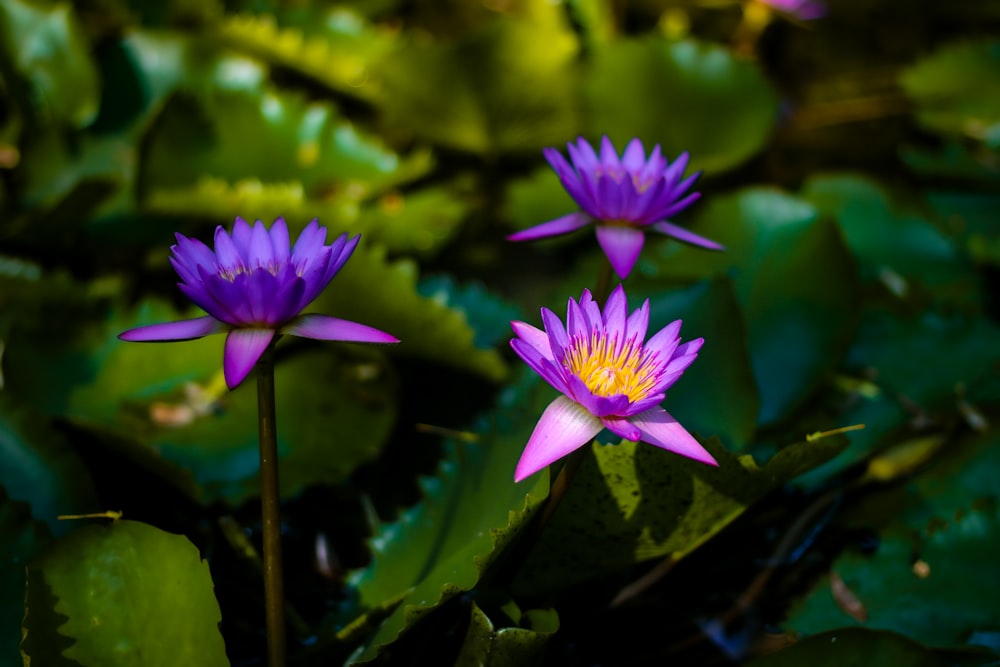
[622, 196]
[254, 286]
[610, 377]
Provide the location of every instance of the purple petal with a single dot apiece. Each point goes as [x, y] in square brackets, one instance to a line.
[610, 198]
[660, 429]
[260, 291]
[192, 253]
[558, 340]
[609, 156]
[599, 406]
[227, 255]
[204, 300]
[684, 235]
[243, 349]
[231, 296]
[241, 236]
[570, 179]
[634, 157]
[169, 331]
[674, 172]
[622, 245]
[622, 427]
[260, 250]
[577, 325]
[562, 428]
[564, 225]
[536, 338]
[616, 314]
[583, 155]
[541, 364]
[309, 243]
[666, 340]
[324, 327]
[280, 245]
[638, 322]
[678, 206]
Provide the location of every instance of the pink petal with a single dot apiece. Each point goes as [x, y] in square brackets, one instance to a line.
[536, 338]
[243, 349]
[622, 427]
[168, 331]
[324, 327]
[682, 234]
[616, 314]
[562, 428]
[622, 245]
[638, 322]
[564, 225]
[660, 429]
[666, 340]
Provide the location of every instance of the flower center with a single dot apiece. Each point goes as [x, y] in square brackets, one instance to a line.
[609, 369]
[230, 272]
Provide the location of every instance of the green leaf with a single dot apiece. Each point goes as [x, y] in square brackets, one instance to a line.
[936, 559]
[21, 537]
[293, 140]
[955, 92]
[795, 283]
[523, 644]
[632, 502]
[416, 223]
[339, 52]
[40, 468]
[893, 245]
[384, 294]
[335, 408]
[508, 87]
[53, 59]
[131, 594]
[486, 312]
[470, 511]
[858, 647]
[717, 394]
[685, 96]
[537, 199]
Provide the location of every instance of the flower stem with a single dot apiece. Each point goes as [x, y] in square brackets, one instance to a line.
[274, 596]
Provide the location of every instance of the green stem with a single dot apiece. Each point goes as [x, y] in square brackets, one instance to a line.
[274, 596]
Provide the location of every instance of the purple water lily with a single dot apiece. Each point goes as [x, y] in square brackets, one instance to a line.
[622, 196]
[805, 10]
[254, 286]
[610, 378]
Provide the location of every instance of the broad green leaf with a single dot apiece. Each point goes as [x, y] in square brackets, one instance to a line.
[132, 595]
[632, 502]
[795, 283]
[40, 467]
[717, 394]
[955, 351]
[338, 53]
[416, 223]
[293, 139]
[936, 561]
[45, 44]
[486, 645]
[508, 87]
[538, 198]
[335, 408]
[487, 313]
[858, 647]
[893, 245]
[470, 511]
[21, 537]
[955, 92]
[384, 294]
[686, 96]
[955, 160]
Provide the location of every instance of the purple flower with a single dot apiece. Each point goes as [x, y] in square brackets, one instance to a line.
[610, 378]
[254, 286]
[805, 10]
[621, 196]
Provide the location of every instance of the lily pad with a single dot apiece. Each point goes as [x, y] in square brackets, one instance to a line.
[470, 511]
[684, 95]
[795, 283]
[935, 569]
[21, 537]
[131, 594]
[335, 407]
[858, 647]
[523, 644]
[632, 502]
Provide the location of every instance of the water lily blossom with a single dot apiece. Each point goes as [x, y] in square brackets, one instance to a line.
[805, 10]
[254, 286]
[622, 196]
[610, 377]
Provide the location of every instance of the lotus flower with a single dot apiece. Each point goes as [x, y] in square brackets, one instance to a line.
[254, 286]
[623, 197]
[610, 377]
[805, 10]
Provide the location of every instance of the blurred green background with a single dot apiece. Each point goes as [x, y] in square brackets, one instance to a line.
[851, 165]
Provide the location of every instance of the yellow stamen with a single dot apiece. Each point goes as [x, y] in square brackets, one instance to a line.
[609, 369]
